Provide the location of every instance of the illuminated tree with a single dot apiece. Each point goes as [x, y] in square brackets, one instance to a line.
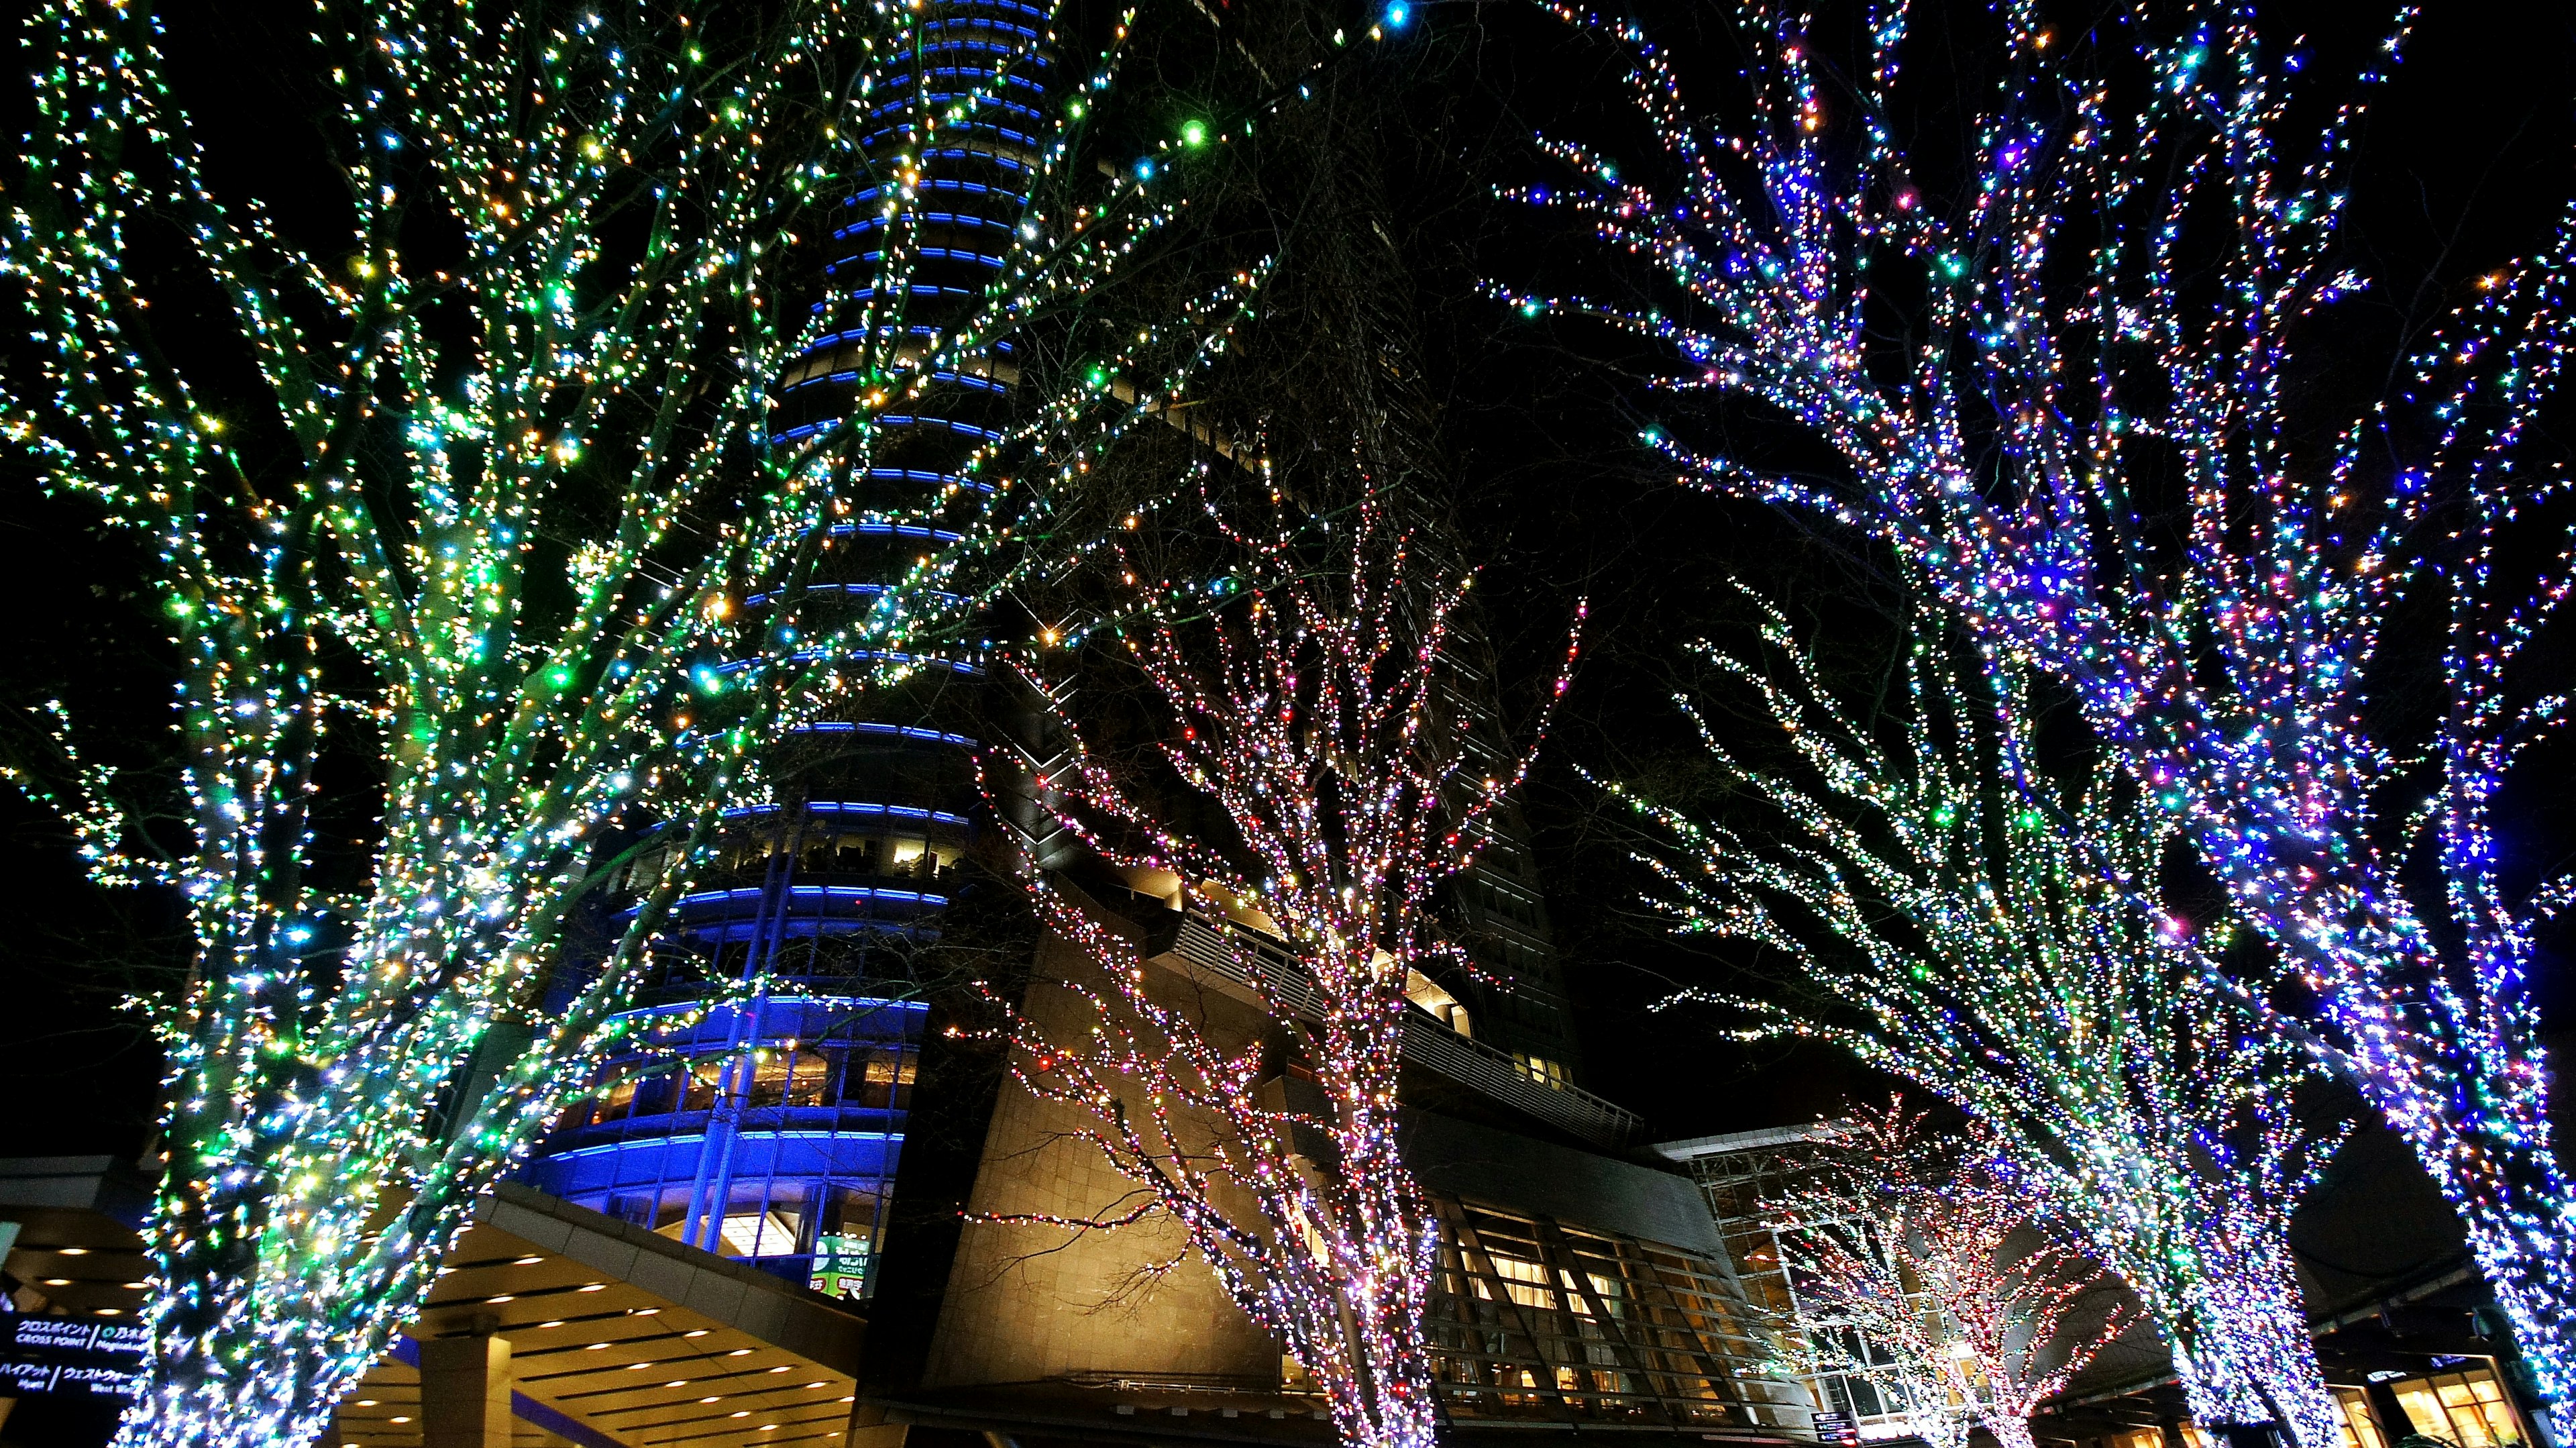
[463, 490]
[1905, 1239]
[2067, 390]
[1312, 709]
[2004, 950]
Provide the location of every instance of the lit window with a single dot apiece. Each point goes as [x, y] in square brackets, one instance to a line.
[2466, 1407]
[2357, 1428]
[760, 1235]
[1542, 1070]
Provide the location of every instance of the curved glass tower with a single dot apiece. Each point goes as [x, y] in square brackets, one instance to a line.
[772, 1131]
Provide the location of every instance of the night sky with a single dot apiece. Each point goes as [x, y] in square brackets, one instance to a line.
[2468, 156]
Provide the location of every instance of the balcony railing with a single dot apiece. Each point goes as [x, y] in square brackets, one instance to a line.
[1277, 981]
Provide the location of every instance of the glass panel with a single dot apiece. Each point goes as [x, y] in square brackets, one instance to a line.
[2422, 1408]
[809, 1078]
[1526, 1282]
[606, 1103]
[766, 1234]
[845, 1247]
[1545, 1072]
[795, 1078]
[655, 1093]
[702, 1078]
[2459, 1409]
[880, 1077]
[2353, 1416]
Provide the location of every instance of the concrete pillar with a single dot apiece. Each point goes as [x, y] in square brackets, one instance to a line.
[465, 1391]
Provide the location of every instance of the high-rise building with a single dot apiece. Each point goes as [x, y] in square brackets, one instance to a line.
[776, 1129]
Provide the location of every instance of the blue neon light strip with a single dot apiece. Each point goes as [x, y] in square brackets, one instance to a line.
[700, 1139]
[865, 590]
[917, 289]
[982, 75]
[871, 1003]
[943, 218]
[889, 656]
[943, 183]
[892, 731]
[961, 131]
[934, 253]
[852, 807]
[851, 377]
[897, 530]
[823, 893]
[962, 429]
[963, 153]
[924, 475]
[982, 22]
[962, 46]
[854, 334]
[941, 98]
[874, 1003]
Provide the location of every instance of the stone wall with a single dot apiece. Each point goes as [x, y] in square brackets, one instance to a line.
[1029, 1303]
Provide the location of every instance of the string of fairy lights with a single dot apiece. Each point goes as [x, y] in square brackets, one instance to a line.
[1903, 1240]
[1308, 712]
[2059, 306]
[2006, 955]
[445, 428]
[400, 549]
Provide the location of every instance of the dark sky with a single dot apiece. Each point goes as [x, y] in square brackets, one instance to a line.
[2470, 149]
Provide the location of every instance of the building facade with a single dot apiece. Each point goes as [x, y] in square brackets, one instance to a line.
[1739, 1174]
[773, 1131]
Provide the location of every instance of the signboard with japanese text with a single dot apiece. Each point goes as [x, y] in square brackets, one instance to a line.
[73, 1355]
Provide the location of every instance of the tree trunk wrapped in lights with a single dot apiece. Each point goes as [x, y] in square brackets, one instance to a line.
[468, 491]
[2003, 950]
[2068, 389]
[1900, 1238]
[1310, 708]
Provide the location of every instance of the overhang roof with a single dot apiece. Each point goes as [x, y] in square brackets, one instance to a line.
[621, 1338]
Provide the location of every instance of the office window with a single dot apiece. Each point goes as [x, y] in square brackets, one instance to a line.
[1542, 1070]
[770, 1230]
[2467, 1407]
[2357, 1428]
[845, 1250]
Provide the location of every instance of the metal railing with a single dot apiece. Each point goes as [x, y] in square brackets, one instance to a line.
[1279, 982]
